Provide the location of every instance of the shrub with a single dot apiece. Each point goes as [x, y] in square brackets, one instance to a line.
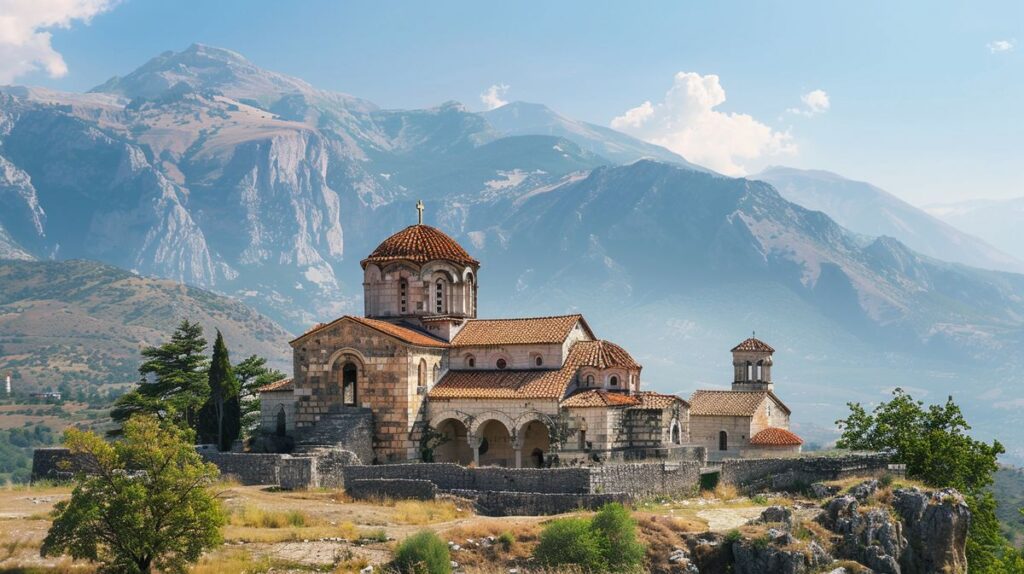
[570, 541]
[885, 480]
[616, 532]
[733, 536]
[506, 540]
[423, 553]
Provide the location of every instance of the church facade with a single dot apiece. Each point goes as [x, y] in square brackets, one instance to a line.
[434, 382]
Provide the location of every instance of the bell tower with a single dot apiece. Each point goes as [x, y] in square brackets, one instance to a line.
[752, 366]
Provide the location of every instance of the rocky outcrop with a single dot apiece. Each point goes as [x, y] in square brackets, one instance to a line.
[777, 552]
[935, 526]
[871, 536]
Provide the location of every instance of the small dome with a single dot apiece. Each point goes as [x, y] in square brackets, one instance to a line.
[419, 244]
[753, 345]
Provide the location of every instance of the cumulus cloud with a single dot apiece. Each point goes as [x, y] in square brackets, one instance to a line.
[24, 37]
[687, 123]
[997, 46]
[815, 102]
[494, 96]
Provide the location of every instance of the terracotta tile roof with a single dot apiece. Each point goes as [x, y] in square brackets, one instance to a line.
[774, 436]
[516, 384]
[407, 334]
[419, 244]
[755, 345]
[653, 400]
[605, 354]
[599, 398]
[521, 331]
[730, 403]
[282, 385]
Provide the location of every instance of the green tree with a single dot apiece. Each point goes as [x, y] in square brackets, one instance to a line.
[178, 387]
[934, 444]
[144, 503]
[253, 373]
[220, 418]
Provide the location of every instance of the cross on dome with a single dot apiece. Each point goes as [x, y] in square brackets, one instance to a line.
[419, 208]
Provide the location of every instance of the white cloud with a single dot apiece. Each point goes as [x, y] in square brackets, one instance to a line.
[24, 39]
[815, 102]
[997, 46]
[687, 123]
[493, 96]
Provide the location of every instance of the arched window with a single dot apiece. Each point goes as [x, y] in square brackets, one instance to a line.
[282, 426]
[403, 295]
[470, 361]
[437, 373]
[539, 361]
[439, 293]
[590, 380]
[349, 374]
[501, 363]
[614, 381]
[750, 371]
[723, 440]
[760, 371]
[470, 305]
[421, 379]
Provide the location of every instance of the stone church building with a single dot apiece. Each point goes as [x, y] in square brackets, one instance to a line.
[420, 377]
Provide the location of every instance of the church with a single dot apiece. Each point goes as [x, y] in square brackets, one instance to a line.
[419, 377]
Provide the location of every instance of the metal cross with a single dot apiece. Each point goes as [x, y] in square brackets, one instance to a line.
[419, 208]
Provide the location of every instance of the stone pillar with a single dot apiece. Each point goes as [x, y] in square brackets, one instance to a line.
[519, 457]
[474, 445]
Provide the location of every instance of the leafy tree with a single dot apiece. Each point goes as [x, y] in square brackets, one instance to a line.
[253, 373]
[144, 503]
[178, 388]
[934, 444]
[220, 418]
[616, 532]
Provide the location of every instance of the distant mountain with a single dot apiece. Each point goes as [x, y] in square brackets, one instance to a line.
[81, 322]
[864, 208]
[997, 221]
[522, 118]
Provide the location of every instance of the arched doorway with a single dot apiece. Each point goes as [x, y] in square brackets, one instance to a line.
[282, 422]
[723, 440]
[349, 377]
[455, 447]
[676, 438]
[535, 441]
[495, 445]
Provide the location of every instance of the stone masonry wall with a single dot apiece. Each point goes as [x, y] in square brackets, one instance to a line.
[247, 468]
[536, 504]
[454, 477]
[789, 472]
[673, 478]
[400, 488]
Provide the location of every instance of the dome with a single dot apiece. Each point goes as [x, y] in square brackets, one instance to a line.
[420, 244]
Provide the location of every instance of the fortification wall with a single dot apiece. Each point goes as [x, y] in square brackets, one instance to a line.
[793, 472]
[247, 468]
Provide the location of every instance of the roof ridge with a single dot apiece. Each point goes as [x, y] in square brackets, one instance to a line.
[527, 318]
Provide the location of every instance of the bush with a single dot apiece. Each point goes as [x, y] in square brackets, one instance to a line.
[616, 532]
[423, 553]
[506, 540]
[570, 541]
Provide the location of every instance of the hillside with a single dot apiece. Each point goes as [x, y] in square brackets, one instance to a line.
[81, 322]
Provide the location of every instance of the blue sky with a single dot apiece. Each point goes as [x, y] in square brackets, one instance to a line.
[924, 99]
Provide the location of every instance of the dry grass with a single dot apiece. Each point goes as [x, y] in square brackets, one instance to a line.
[231, 562]
[521, 537]
[721, 492]
[252, 516]
[423, 512]
[62, 566]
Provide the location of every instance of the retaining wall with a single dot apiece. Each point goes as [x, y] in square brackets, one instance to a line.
[391, 488]
[492, 503]
[247, 468]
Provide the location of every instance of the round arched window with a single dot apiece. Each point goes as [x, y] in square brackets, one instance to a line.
[470, 361]
[501, 364]
[590, 380]
[614, 381]
[539, 360]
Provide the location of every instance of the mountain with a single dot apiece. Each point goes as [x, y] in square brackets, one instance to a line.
[997, 221]
[82, 322]
[202, 168]
[522, 118]
[864, 208]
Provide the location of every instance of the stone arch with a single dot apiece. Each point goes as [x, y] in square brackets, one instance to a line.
[495, 443]
[355, 353]
[676, 433]
[723, 440]
[482, 418]
[421, 374]
[456, 447]
[281, 427]
[535, 438]
[372, 273]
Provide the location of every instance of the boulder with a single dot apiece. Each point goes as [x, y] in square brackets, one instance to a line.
[936, 527]
[870, 537]
[777, 515]
[775, 554]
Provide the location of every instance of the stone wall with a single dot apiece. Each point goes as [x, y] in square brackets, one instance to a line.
[536, 504]
[644, 479]
[454, 477]
[271, 404]
[247, 468]
[793, 472]
[402, 488]
[57, 464]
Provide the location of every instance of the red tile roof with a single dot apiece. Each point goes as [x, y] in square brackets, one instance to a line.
[516, 384]
[774, 436]
[605, 354]
[521, 331]
[653, 400]
[419, 244]
[730, 403]
[406, 334]
[754, 345]
[599, 398]
[282, 385]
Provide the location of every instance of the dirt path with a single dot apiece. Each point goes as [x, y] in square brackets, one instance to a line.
[721, 519]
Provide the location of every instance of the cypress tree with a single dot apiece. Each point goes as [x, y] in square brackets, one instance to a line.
[221, 413]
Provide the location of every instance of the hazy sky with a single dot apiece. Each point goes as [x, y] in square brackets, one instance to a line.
[925, 99]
